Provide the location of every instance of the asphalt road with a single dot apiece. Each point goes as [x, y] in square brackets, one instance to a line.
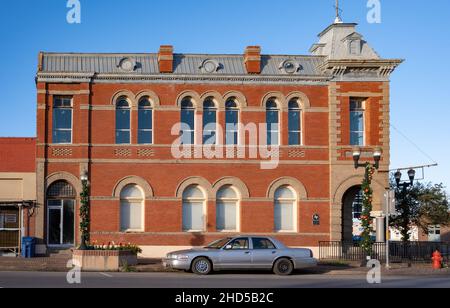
[185, 280]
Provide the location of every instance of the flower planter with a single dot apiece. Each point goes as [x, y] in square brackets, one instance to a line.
[103, 260]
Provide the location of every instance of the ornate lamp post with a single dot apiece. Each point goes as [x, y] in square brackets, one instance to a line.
[84, 211]
[366, 242]
[405, 185]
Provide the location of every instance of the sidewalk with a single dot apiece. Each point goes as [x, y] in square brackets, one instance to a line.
[59, 264]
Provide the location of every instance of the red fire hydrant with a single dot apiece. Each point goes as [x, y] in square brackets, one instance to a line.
[437, 260]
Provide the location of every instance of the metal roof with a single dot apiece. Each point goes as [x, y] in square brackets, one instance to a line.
[184, 64]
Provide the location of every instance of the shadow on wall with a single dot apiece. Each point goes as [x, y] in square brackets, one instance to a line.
[197, 240]
[445, 236]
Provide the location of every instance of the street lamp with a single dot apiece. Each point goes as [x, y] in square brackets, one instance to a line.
[404, 185]
[376, 157]
[84, 210]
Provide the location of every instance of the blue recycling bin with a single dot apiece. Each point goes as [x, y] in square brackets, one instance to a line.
[28, 247]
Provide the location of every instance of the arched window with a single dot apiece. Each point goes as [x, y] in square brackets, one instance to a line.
[145, 121]
[123, 125]
[131, 209]
[227, 209]
[295, 123]
[273, 122]
[209, 121]
[231, 122]
[62, 120]
[61, 198]
[285, 209]
[187, 131]
[194, 209]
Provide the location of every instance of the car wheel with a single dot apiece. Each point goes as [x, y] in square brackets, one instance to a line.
[201, 266]
[283, 267]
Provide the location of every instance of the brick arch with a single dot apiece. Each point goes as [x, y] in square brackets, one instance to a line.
[241, 99]
[195, 98]
[63, 176]
[288, 181]
[305, 104]
[143, 184]
[152, 96]
[124, 93]
[195, 180]
[350, 182]
[233, 181]
[217, 97]
[281, 101]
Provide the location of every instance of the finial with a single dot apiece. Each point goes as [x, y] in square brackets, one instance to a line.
[338, 19]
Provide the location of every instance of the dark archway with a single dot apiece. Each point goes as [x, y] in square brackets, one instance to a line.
[351, 212]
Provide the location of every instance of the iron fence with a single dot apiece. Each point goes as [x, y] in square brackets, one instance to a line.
[413, 252]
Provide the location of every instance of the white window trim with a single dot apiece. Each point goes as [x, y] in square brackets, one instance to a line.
[194, 142]
[216, 110]
[71, 121]
[205, 212]
[302, 128]
[294, 202]
[238, 131]
[134, 200]
[363, 109]
[278, 129]
[153, 125]
[237, 201]
[124, 130]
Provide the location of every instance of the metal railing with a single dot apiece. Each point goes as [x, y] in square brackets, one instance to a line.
[412, 252]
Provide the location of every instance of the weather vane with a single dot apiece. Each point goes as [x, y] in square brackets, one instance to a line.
[338, 19]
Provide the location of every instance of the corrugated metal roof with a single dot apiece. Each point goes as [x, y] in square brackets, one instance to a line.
[184, 64]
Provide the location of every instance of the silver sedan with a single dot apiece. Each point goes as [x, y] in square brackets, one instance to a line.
[242, 253]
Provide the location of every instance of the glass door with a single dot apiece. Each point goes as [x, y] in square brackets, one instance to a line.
[61, 222]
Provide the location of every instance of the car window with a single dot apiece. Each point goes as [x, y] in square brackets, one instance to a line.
[262, 243]
[239, 244]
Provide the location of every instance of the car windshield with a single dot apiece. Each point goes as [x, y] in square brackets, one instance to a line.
[218, 244]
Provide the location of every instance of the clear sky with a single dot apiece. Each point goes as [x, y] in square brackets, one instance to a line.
[417, 31]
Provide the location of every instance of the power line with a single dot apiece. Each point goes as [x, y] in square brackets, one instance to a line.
[413, 144]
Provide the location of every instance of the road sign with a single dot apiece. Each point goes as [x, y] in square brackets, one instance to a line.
[390, 202]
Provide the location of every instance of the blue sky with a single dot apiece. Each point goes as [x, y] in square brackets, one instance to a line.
[417, 31]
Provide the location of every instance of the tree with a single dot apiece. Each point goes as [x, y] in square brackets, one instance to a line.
[422, 206]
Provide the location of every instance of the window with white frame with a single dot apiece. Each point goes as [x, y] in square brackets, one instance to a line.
[295, 122]
[123, 121]
[62, 120]
[209, 121]
[145, 121]
[194, 204]
[273, 122]
[434, 233]
[132, 209]
[285, 209]
[227, 209]
[231, 122]
[357, 126]
[187, 131]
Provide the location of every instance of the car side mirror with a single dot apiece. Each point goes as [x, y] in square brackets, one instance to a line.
[228, 247]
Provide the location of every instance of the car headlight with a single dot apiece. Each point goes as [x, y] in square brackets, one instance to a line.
[181, 257]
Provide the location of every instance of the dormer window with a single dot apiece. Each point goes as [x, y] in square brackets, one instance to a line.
[355, 47]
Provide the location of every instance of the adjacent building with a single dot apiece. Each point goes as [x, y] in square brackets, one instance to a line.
[17, 191]
[113, 117]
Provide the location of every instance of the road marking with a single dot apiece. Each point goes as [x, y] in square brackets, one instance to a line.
[106, 275]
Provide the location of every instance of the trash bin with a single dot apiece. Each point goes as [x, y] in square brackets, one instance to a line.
[28, 247]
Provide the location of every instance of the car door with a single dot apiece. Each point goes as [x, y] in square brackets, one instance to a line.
[264, 253]
[236, 254]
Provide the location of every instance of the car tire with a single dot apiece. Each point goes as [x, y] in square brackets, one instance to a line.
[283, 267]
[201, 266]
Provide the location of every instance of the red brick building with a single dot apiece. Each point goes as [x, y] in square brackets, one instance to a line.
[112, 117]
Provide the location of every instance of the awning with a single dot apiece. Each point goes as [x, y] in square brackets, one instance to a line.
[23, 203]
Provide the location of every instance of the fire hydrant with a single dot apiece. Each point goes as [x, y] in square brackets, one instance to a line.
[437, 260]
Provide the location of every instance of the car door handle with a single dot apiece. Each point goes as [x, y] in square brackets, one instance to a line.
[247, 252]
[274, 252]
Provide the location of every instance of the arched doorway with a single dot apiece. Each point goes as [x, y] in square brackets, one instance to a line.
[352, 207]
[61, 200]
